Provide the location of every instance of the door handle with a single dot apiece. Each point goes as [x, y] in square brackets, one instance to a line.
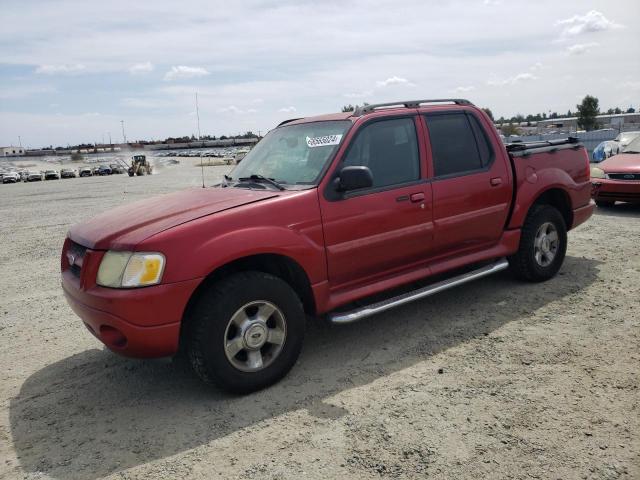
[417, 197]
[495, 181]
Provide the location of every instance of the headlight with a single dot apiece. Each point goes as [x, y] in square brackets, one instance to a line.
[129, 269]
[597, 173]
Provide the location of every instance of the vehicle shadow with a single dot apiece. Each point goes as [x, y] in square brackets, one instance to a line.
[95, 414]
[620, 210]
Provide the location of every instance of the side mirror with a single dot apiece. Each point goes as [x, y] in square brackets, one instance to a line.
[353, 178]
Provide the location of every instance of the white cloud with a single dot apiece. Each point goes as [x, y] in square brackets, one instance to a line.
[580, 48]
[593, 21]
[462, 89]
[147, 102]
[631, 85]
[288, 109]
[521, 77]
[140, 68]
[182, 72]
[64, 69]
[363, 94]
[492, 2]
[24, 91]
[394, 81]
[236, 110]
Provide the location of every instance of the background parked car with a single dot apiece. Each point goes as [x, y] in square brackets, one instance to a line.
[67, 173]
[86, 172]
[116, 169]
[625, 138]
[51, 175]
[34, 176]
[605, 150]
[104, 170]
[11, 177]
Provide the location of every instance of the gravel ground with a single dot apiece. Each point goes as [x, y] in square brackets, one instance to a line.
[496, 379]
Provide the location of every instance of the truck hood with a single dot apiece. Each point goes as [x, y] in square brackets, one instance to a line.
[621, 163]
[125, 226]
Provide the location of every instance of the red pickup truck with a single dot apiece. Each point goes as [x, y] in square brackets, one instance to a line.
[323, 212]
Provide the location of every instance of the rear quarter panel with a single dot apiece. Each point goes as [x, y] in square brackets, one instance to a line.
[564, 169]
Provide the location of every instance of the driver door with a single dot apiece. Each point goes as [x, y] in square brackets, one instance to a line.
[387, 227]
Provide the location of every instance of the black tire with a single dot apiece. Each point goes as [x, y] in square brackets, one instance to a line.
[605, 203]
[524, 264]
[208, 332]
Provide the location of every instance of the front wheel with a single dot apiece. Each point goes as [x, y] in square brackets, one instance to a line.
[543, 245]
[246, 332]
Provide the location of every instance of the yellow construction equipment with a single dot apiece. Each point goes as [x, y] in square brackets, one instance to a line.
[140, 166]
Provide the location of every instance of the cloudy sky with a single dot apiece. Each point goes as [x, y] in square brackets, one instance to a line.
[70, 71]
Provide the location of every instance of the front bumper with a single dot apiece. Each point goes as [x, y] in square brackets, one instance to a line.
[607, 190]
[139, 322]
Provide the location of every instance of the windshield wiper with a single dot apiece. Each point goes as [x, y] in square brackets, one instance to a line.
[256, 177]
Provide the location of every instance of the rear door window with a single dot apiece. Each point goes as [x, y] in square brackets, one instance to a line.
[454, 145]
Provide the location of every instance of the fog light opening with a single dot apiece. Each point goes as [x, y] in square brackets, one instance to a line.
[112, 337]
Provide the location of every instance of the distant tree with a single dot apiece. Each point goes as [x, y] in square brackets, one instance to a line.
[617, 111]
[569, 113]
[631, 110]
[224, 137]
[553, 115]
[489, 112]
[587, 112]
[348, 108]
[610, 111]
[510, 129]
[544, 116]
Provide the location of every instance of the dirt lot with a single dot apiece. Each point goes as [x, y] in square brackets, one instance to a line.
[497, 379]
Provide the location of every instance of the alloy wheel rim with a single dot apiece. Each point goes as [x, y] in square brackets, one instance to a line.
[255, 336]
[545, 244]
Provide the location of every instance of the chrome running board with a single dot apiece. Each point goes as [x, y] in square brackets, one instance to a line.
[378, 307]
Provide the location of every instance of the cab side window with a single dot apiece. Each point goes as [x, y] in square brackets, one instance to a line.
[390, 149]
[458, 144]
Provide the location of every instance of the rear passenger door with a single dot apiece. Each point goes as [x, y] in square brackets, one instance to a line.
[471, 183]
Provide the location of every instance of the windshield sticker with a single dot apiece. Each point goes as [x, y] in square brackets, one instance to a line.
[324, 141]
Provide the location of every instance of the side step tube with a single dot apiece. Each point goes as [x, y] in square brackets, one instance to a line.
[375, 308]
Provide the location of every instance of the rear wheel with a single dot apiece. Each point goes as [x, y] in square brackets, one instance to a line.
[543, 245]
[247, 332]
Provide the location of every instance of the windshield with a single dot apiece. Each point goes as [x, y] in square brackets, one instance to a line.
[633, 147]
[294, 154]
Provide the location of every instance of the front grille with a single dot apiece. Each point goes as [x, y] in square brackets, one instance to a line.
[75, 258]
[621, 195]
[624, 176]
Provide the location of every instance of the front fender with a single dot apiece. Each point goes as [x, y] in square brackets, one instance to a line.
[262, 240]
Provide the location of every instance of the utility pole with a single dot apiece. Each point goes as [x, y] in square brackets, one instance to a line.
[123, 134]
[19, 141]
[198, 116]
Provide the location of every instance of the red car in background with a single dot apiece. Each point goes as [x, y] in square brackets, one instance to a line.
[617, 179]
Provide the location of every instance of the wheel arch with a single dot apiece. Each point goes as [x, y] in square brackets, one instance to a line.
[559, 199]
[277, 265]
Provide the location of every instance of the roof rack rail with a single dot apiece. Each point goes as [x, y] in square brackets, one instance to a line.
[519, 146]
[288, 121]
[407, 104]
